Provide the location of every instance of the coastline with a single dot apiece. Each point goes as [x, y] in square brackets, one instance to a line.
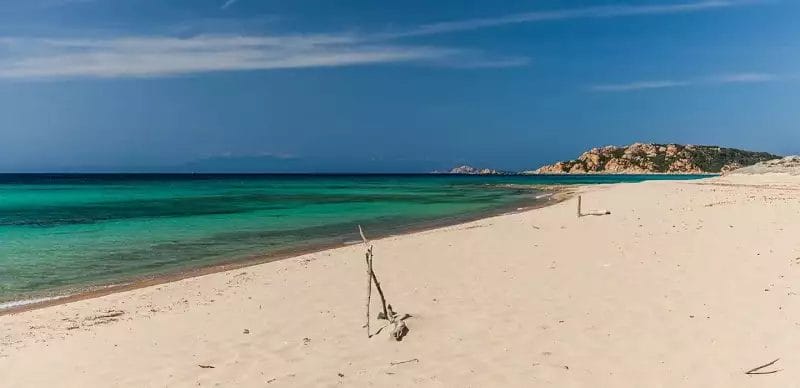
[708, 174]
[554, 194]
[684, 283]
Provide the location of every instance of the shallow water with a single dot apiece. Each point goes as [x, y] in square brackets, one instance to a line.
[60, 233]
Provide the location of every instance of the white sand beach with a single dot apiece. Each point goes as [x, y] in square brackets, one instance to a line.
[685, 283]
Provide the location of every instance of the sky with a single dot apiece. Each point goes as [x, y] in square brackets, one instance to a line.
[376, 86]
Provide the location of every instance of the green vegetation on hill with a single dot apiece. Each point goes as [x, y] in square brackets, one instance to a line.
[658, 158]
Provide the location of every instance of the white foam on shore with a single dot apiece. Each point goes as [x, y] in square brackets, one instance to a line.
[18, 303]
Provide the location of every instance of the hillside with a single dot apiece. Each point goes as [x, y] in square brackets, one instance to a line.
[646, 158]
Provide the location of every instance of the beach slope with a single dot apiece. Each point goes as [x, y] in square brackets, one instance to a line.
[685, 283]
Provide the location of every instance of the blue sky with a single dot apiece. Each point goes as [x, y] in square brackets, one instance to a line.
[144, 85]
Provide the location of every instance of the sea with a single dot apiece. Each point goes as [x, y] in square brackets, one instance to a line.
[62, 234]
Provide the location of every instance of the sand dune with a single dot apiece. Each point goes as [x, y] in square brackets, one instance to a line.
[684, 284]
[788, 165]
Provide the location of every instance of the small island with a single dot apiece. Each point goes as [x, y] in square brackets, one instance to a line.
[469, 170]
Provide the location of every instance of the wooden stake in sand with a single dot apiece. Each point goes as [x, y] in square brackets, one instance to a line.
[369, 284]
[590, 213]
[400, 328]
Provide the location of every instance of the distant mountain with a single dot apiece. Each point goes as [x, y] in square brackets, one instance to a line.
[647, 158]
[305, 165]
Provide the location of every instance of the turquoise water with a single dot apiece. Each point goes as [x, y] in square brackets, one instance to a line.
[61, 233]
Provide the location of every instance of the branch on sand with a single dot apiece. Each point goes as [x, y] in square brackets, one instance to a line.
[400, 329]
[393, 363]
[591, 213]
[758, 370]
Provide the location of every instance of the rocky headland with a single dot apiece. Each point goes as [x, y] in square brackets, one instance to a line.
[648, 158]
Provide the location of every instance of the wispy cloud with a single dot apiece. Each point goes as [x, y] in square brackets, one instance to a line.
[60, 3]
[610, 11]
[743, 78]
[164, 56]
[228, 3]
[152, 56]
[490, 63]
[641, 85]
[720, 79]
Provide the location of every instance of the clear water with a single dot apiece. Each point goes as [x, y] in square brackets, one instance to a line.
[60, 233]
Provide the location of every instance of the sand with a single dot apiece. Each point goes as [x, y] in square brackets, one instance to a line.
[786, 165]
[684, 284]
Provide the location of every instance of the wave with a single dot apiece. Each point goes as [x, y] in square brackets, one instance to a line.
[25, 302]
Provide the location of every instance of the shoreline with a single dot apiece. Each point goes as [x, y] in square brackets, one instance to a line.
[554, 193]
[705, 174]
[683, 283]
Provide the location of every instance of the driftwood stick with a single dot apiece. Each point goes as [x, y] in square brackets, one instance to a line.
[368, 258]
[769, 372]
[400, 328]
[363, 238]
[380, 329]
[369, 291]
[596, 213]
[372, 271]
[757, 370]
[592, 212]
[380, 291]
[393, 363]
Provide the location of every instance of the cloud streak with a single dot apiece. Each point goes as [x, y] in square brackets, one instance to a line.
[157, 56]
[641, 85]
[228, 3]
[600, 12]
[163, 56]
[721, 79]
